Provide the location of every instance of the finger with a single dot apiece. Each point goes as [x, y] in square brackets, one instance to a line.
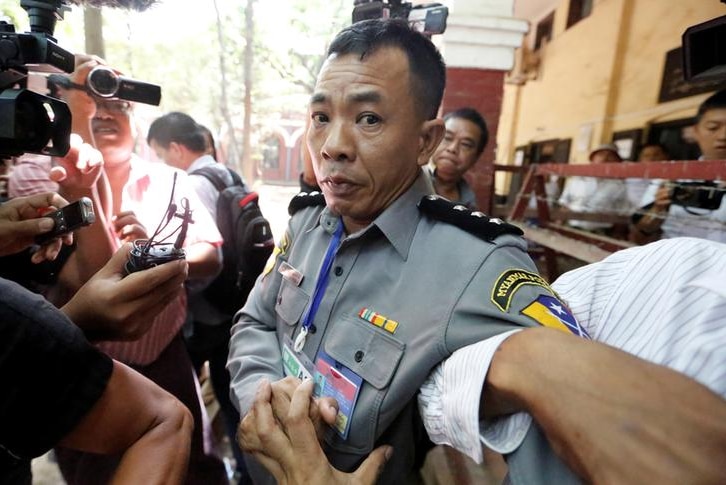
[146, 308]
[138, 284]
[272, 466]
[85, 155]
[30, 228]
[29, 207]
[328, 409]
[47, 252]
[299, 425]
[372, 467]
[57, 174]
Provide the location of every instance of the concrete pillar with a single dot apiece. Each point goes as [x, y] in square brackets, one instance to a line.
[478, 47]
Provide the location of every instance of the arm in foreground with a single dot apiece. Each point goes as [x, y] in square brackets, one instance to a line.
[283, 438]
[613, 418]
[136, 417]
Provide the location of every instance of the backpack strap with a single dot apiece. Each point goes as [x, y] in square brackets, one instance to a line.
[210, 174]
[474, 222]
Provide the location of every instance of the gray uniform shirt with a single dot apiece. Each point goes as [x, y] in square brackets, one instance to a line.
[445, 287]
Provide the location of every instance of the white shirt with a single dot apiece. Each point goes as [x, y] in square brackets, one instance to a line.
[590, 194]
[664, 302]
[693, 222]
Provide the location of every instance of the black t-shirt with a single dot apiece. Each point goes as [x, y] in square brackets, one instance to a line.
[50, 374]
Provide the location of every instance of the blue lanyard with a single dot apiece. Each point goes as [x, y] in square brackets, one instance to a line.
[320, 285]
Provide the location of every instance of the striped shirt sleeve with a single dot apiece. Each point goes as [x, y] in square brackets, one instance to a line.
[449, 403]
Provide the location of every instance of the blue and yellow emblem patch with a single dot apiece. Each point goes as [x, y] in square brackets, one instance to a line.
[550, 312]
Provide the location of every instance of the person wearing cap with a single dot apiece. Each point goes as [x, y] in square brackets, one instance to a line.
[596, 195]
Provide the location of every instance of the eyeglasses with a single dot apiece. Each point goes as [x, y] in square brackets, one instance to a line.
[112, 105]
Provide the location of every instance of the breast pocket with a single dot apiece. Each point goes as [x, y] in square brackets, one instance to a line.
[291, 302]
[374, 356]
[365, 349]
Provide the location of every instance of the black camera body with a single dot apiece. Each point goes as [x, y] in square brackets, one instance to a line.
[68, 219]
[105, 83]
[698, 195]
[31, 122]
[429, 19]
[143, 256]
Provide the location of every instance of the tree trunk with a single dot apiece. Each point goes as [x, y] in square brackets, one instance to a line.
[233, 154]
[93, 30]
[247, 162]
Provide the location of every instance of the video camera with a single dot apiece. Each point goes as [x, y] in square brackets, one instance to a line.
[31, 122]
[428, 19]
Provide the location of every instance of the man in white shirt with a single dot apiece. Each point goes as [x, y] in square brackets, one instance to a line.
[665, 215]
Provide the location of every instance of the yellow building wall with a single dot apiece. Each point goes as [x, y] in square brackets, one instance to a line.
[601, 75]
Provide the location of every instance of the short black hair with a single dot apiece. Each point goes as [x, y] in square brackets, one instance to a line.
[716, 101]
[470, 114]
[427, 68]
[179, 128]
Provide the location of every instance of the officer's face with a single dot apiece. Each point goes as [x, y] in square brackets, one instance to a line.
[710, 134]
[457, 152]
[366, 138]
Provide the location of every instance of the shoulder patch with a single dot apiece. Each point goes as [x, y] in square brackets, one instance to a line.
[305, 199]
[474, 222]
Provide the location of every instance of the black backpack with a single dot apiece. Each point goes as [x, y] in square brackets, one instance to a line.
[248, 242]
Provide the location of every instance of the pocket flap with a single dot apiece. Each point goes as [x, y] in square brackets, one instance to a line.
[364, 349]
[291, 302]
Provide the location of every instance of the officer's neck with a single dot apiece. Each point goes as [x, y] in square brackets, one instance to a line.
[352, 225]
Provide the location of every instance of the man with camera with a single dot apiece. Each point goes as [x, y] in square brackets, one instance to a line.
[132, 197]
[688, 208]
[58, 388]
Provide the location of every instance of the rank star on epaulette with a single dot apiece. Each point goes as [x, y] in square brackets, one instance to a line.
[474, 222]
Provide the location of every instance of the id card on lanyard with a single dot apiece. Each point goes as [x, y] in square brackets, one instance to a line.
[332, 379]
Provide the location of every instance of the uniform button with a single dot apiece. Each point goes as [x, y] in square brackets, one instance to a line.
[313, 329]
[338, 271]
[359, 356]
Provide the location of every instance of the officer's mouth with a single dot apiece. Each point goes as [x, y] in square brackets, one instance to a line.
[338, 185]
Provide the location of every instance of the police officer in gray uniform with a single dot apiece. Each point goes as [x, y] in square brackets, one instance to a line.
[369, 292]
[398, 282]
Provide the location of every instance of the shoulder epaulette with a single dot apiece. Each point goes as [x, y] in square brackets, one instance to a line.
[305, 199]
[474, 222]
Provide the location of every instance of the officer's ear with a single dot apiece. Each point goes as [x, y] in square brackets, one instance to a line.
[431, 134]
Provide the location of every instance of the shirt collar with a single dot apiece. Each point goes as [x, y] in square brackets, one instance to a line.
[398, 222]
[200, 162]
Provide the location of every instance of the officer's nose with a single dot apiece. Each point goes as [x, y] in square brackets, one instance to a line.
[338, 146]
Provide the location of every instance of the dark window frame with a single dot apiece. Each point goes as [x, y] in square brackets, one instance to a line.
[579, 9]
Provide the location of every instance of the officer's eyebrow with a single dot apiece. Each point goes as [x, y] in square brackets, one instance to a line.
[318, 98]
[365, 97]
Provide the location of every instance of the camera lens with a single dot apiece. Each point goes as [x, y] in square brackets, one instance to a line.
[103, 82]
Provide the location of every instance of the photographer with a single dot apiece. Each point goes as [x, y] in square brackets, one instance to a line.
[662, 215]
[58, 389]
[132, 195]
